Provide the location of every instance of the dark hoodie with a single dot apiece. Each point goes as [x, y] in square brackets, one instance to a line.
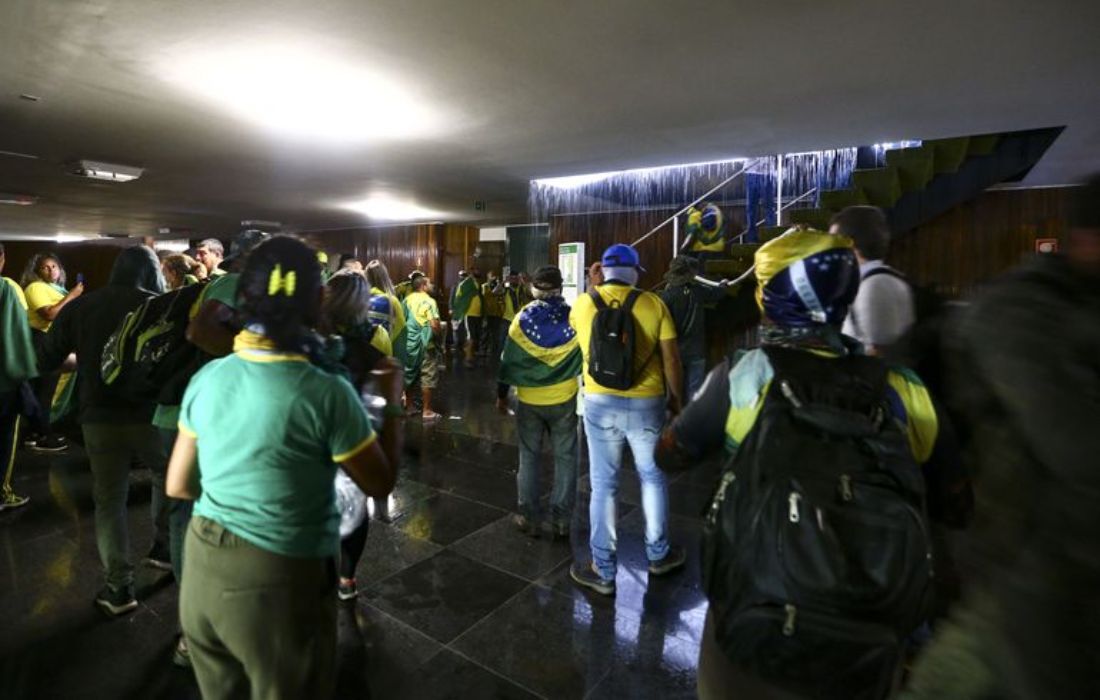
[84, 326]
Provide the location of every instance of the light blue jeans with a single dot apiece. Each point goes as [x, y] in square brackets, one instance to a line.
[609, 422]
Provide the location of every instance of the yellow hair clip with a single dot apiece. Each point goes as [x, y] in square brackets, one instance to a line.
[280, 282]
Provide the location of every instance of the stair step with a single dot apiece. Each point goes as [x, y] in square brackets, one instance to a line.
[835, 200]
[914, 166]
[949, 154]
[814, 218]
[982, 145]
[733, 267]
[768, 233]
[881, 185]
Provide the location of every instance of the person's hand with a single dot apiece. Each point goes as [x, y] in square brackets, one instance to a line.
[502, 407]
[390, 380]
[75, 291]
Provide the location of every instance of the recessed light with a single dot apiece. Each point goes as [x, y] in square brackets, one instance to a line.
[29, 98]
[106, 171]
[389, 208]
[304, 92]
[16, 154]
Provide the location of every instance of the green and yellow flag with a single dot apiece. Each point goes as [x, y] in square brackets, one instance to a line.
[541, 356]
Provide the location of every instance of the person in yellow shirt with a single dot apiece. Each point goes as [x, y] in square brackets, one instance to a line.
[44, 286]
[423, 360]
[614, 417]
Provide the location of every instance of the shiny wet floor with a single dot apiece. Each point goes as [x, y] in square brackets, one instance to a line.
[454, 603]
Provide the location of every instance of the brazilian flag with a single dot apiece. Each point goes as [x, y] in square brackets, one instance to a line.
[17, 362]
[541, 349]
[463, 295]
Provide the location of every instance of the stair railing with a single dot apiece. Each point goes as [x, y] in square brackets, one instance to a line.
[741, 237]
[675, 218]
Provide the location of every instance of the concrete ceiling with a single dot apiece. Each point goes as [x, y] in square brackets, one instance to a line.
[513, 90]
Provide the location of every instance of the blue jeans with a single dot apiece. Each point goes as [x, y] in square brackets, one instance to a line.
[560, 421]
[609, 422]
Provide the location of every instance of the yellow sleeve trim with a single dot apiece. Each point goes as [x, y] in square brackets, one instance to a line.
[187, 431]
[345, 456]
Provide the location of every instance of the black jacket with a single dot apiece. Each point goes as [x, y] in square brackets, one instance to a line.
[84, 326]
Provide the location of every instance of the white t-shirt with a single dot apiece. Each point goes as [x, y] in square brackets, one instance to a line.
[883, 310]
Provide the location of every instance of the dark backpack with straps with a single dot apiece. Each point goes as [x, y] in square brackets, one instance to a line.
[816, 554]
[148, 357]
[611, 347]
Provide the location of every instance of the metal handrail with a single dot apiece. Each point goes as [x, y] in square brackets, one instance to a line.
[731, 178]
[741, 237]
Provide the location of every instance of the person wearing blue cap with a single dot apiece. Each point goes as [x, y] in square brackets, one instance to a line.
[626, 406]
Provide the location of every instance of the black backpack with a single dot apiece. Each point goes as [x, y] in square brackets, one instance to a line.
[148, 357]
[816, 554]
[611, 347]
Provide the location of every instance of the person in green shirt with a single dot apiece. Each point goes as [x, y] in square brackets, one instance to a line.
[423, 359]
[262, 432]
[17, 365]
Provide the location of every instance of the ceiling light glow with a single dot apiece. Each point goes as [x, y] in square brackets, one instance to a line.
[299, 92]
[389, 208]
[574, 181]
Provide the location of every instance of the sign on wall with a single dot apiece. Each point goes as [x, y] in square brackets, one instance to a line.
[1046, 245]
[571, 264]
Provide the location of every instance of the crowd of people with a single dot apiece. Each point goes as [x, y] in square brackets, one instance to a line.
[849, 440]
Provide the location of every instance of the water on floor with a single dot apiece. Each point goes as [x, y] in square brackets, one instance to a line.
[454, 603]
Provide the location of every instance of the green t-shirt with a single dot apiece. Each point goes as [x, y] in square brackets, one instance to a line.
[270, 429]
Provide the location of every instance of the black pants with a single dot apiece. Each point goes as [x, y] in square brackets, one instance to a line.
[351, 549]
[9, 432]
[473, 329]
[44, 387]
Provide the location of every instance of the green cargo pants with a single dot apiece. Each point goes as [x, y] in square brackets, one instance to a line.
[258, 624]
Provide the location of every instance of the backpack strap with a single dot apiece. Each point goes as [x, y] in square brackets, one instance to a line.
[597, 299]
[886, 270]
[628, 307]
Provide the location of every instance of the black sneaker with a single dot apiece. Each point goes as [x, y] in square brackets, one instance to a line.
[116, 602]
[182, 655]
[559, 531]
[672, 561]
[51, 444]
[586, 576]
[159, 558]
[31, 439]
[347, 590]
[526, 525]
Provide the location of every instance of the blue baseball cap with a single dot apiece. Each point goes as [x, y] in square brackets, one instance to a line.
[621, 255]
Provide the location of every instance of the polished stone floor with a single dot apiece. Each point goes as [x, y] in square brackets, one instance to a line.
[455, 602]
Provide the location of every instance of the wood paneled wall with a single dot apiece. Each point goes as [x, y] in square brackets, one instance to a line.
[93, 259]
[598, 231]
[976, 241]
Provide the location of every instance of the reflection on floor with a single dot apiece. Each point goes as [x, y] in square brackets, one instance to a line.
[455, 602]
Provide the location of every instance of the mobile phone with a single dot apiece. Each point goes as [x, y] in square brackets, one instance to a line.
[80, 278]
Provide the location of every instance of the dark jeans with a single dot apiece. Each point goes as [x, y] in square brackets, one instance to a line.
[111, 449]
[493, 338]
[351, 549]
[561, 422]
[179, 514]
[44, 387]
[473, 329]
[9, 433]
[695, 371]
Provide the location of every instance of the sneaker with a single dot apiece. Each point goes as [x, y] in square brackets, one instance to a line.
[116, 602]
[586, 576]
[51, 443]
[159, 558]
[559, 531]
[10, 500]
[526, 525]
[182, 655]
[673, 560]
[31, 439]
[347, 590]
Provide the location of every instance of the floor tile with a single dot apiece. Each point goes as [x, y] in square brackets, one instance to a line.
[501, 545]
[557, 646]
[444, 595]
[443, 518]
[377, 652]
[447, 676]
[388, 551]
